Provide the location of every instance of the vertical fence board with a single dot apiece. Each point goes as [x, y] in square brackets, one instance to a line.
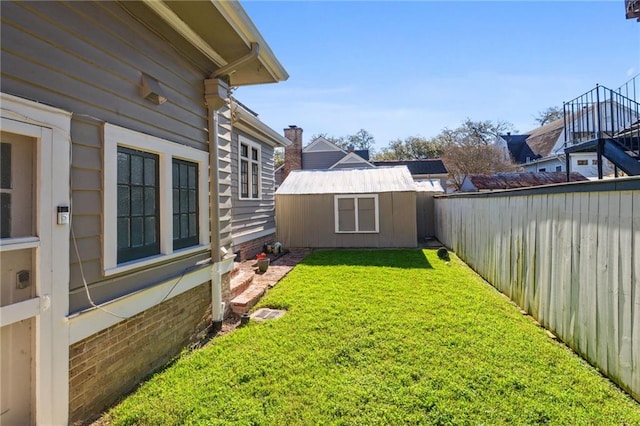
[571, 259]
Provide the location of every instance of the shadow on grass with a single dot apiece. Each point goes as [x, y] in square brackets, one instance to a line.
[392, 258]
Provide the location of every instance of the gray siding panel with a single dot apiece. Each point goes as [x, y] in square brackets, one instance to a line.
[320, 160]
[88, 58]
[253, 215]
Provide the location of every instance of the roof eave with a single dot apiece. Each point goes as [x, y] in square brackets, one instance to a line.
[246, 29]
[242, 27]
[255, 127]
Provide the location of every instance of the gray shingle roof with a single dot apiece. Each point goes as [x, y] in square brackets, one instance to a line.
[432, 166]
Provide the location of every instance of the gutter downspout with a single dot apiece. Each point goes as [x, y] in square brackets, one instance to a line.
[231, 67]
[216, 94]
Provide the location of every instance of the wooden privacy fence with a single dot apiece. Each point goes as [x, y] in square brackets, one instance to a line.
[567, 254]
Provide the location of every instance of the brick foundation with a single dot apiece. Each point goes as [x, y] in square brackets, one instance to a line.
[109, 364]
[249, 249]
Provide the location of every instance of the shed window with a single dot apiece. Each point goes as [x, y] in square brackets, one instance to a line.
[356, 213]
[583, 162]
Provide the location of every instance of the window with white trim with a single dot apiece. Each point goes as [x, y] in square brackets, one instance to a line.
[155, 200]
[249, 169]
[356, 213]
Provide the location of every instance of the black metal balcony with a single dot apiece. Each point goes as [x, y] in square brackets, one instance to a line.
[607, 122]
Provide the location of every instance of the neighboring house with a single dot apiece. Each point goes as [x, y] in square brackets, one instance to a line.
[320, 154]
[542, 150]
[364, 207]
[498, 181]
[117, 191]
[253, 203]
[421, 170]
[597, 139]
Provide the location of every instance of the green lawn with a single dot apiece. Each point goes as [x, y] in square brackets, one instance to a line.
[381, 337]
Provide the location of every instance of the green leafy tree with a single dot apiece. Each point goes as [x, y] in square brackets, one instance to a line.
[411, 148]
[362, 139]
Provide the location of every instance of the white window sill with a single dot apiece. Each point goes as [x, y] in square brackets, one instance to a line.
[148, 261]
[357, 232]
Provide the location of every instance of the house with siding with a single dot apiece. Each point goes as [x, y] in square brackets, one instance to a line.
[319, 154]
[252, 185]
[125, 190]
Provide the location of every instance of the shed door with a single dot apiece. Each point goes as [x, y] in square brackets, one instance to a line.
[20, 245]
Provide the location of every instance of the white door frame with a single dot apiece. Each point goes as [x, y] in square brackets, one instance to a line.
[51, 127]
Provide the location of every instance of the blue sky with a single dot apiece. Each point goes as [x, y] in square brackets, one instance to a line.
[400, 69]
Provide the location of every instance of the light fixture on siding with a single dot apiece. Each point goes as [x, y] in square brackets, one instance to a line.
[151, 90]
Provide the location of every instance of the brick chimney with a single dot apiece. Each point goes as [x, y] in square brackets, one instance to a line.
[293, 152]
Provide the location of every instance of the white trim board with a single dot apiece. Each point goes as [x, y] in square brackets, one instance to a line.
[51, 127]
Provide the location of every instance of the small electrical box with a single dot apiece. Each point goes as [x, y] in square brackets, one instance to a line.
[63, 215]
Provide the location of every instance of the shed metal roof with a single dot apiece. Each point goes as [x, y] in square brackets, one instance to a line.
[429, 185]
[348, 181]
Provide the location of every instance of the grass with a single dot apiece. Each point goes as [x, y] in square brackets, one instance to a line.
[381, 337]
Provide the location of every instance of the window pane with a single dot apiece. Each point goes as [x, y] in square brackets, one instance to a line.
[123, 233]
[176, 226]
[254, 180]
[5, 215]
[244, 179]
[123, 168]
[254, 154]
[5, 165]
[149, 201]
[192, 201]
[176, 200]
[184, 201]
[185, 198]
[183, 175]
[366, 214]
[138, 215]
[175, 173]
[192, 176]
[149, 171]
[346, 214]
[123, 200]
[149, 230]
[137, 231]
[137, 200]
[244, 150]
[193, 228]
[136, 169]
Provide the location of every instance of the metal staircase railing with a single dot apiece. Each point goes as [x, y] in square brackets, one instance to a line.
[602, 113]
[608, 122]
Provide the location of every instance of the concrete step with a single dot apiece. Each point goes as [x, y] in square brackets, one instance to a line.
[243, 302]
[240, 282]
